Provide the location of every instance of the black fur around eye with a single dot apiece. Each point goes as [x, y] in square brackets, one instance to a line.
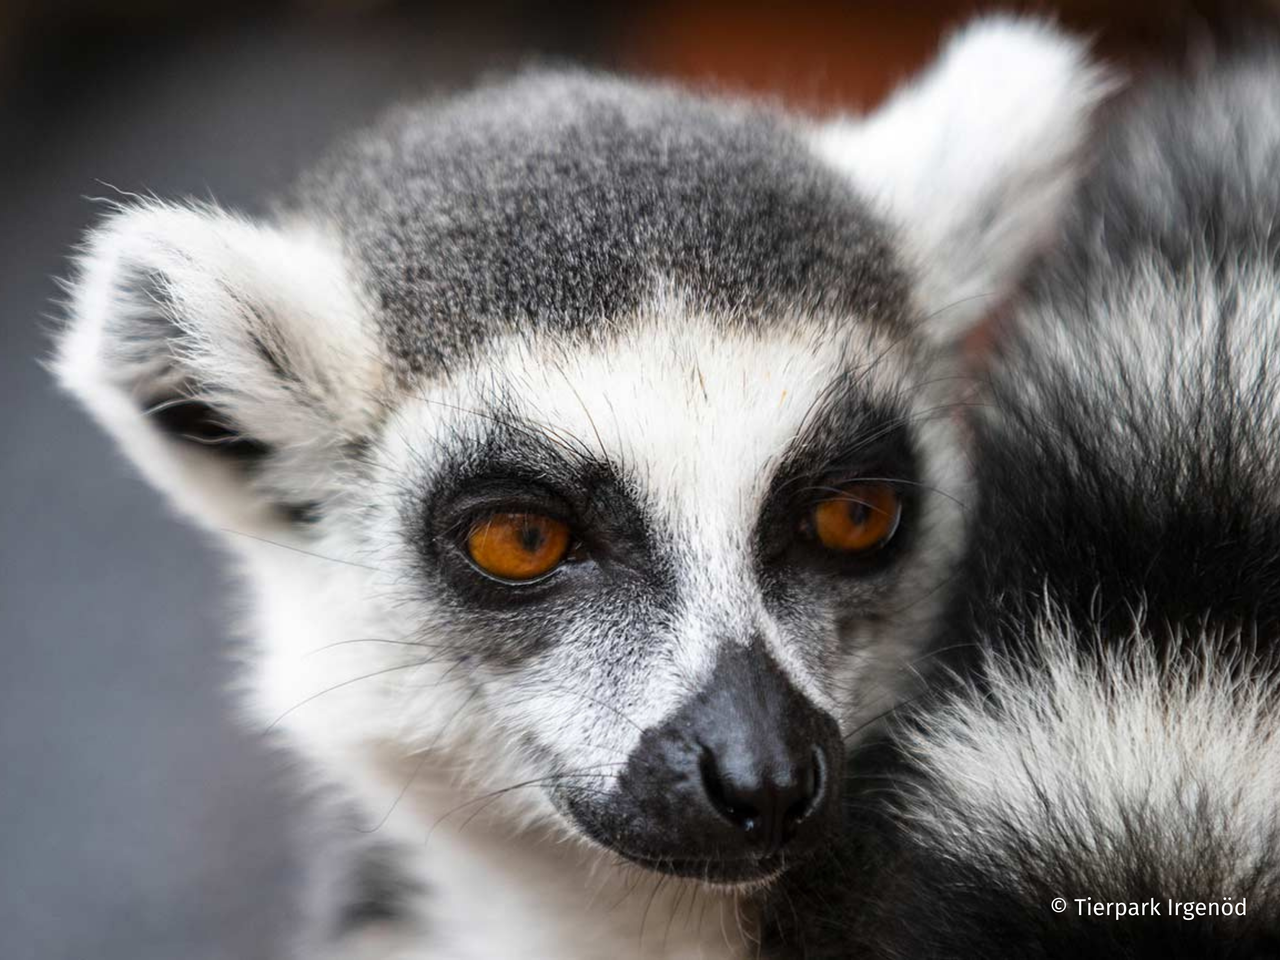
[195, 422]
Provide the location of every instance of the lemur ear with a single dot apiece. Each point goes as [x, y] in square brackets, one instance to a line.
[229, 359]
[973, 161]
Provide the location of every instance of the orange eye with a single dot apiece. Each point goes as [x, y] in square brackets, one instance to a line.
[863, 516]
[518, 546]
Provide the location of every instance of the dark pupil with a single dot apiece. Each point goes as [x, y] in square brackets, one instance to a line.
[531, 537]
[858, 513]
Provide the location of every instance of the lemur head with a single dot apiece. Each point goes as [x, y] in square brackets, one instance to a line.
[590, 437]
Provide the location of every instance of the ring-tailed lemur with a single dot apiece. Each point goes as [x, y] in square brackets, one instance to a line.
[584, 449]
[1101, 775]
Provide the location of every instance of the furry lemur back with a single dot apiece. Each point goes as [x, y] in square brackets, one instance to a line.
[589, 451]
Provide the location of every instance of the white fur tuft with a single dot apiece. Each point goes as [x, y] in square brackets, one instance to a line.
[1103, 755]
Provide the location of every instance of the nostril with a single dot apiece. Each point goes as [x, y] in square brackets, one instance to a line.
[733, 807]
[768, 804]
[811, 781]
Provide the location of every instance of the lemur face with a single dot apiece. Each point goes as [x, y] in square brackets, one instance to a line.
[670, 630]
[588, 444]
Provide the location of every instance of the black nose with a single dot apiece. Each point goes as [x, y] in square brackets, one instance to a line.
[765, 798]
[737, 783]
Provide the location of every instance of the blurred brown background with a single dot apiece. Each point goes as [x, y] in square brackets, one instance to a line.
[136, 820]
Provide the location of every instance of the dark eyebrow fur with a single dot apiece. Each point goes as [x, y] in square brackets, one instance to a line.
[515, 448]
[846, 428]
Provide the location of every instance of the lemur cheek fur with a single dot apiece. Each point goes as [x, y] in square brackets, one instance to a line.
[531, 403]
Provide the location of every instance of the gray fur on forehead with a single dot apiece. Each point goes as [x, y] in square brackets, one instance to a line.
[556, 201]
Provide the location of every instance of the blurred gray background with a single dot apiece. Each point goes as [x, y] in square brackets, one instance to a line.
[136, 819]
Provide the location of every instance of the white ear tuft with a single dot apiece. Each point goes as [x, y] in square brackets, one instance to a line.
[973, 161]
[219, 353]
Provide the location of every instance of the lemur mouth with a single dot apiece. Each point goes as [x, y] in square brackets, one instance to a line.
[740, 873]
[707, 864]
